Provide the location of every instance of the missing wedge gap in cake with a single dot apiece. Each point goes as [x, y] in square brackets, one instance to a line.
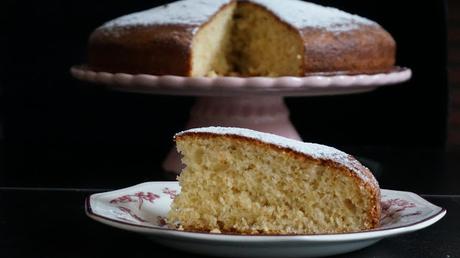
[246, 40]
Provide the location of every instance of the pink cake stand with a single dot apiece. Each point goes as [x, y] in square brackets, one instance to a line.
[255, 102]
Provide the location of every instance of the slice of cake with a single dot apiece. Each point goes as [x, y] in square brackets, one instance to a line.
[246, 38]
[243, 181]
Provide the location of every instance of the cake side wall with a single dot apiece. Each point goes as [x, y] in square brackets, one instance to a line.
[368, 50]
[158, 50]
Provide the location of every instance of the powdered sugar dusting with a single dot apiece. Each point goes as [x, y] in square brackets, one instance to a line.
[196, 12]
[304, 14]
[190, 12]
[314, 150]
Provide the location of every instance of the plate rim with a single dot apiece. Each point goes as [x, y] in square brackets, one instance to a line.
[395, 69]
[308, 85]
[225, 237]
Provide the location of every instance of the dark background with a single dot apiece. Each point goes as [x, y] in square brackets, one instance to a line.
[60, 132]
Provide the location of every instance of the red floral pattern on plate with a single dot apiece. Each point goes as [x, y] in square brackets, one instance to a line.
[172, 193]
[392, 210]
[131, 213]
[137, 197]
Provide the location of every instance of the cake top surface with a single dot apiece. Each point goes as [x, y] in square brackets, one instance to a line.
[187, 12]
[314, 150]
[308, 15]
[196, 12]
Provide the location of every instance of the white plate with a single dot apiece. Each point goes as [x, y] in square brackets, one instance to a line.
[309, 85]
[143, 208]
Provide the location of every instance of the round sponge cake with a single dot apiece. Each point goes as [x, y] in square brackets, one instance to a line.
[243, 38]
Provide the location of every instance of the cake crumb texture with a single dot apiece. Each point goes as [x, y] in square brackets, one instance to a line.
[234, 183]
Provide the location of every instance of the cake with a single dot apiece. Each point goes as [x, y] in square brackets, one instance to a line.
[247, 182]
[241, 38]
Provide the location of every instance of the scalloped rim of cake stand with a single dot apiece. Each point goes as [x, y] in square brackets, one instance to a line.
[311, 85]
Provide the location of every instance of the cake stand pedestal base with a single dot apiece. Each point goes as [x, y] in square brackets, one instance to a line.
[262, 113]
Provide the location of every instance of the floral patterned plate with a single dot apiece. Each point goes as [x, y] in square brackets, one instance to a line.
[143, 208]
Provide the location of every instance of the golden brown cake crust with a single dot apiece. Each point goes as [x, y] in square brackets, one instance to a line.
[161, 49]
[370, 184]
[369, 49]
[158, 50]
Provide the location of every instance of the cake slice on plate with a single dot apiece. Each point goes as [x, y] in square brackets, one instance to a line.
[248, 182]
